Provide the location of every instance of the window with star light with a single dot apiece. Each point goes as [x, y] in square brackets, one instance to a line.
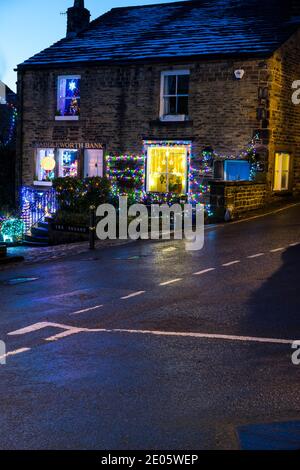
[68, 97]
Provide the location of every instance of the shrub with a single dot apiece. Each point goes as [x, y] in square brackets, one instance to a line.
[77, 195]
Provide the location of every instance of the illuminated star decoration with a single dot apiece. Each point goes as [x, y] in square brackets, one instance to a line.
[72, 86]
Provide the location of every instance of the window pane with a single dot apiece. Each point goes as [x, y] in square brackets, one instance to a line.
[170, 85]
[170, 105]
[68, 163]
[157, 174]
[183, 84]
[72, 87]
[285, 162]
[45, 164]
[177, 167]
[72, 107]
[284, 181]
[183, 105]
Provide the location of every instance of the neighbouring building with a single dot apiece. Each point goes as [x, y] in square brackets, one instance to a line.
[8, 116]
[170, 96]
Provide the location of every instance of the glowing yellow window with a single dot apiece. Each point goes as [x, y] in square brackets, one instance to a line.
[281, 172]
[167, 170]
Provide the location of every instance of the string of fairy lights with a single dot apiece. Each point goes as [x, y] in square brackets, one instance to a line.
[127, 175]
[127, 172]
[12, 125]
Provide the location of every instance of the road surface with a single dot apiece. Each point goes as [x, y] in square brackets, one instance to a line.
[147, 346]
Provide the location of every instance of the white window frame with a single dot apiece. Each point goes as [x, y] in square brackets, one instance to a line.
[280, 171]
[170, 117]
[66, 77]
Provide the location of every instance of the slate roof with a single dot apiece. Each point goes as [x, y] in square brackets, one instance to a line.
[178, 30]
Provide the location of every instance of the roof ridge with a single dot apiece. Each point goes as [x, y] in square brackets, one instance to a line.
[131, 7]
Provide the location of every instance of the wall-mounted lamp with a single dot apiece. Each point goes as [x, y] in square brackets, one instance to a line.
[239, 74]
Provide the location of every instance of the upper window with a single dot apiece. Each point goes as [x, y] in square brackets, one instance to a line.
[174, 104]
[282, 172]
[68, 98]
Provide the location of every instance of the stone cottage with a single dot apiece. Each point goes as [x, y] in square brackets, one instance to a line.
[186, 93]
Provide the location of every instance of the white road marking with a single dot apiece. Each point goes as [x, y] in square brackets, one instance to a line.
[38, 326]
[256, 256]
[86, 310]
[204, 271]
[295, 244]
[135, 294]
[14, 353]
[206, 336]
[64, 334]
[231, 263]
[70, 330]
[172, 281]
[277, 249]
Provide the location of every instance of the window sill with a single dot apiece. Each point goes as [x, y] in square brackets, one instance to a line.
[43, 183]
[282, 192]
[174, 118]
[66, 118]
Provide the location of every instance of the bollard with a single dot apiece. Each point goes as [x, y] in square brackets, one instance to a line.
[92, 228]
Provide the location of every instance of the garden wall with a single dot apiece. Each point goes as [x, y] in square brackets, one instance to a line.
[231, 199]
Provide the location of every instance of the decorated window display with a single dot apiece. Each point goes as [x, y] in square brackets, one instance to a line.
[46, 165]
[68, 97]
[68, 163]
[167, 169]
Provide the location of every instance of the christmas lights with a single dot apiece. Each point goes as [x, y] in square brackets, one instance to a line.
[12, 125]
[127, 176]
[36, 205]
[12, 230]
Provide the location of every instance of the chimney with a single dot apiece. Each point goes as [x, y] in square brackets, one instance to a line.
[78, 18]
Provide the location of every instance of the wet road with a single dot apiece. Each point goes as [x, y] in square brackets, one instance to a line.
[148, 346]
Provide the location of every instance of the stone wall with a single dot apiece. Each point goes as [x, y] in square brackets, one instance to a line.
[282, 124]
[120, 108]
[231, 199]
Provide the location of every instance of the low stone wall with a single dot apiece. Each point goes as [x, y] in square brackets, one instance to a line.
[230, 199]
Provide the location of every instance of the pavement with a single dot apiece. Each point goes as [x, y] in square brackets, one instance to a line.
[147, 346]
